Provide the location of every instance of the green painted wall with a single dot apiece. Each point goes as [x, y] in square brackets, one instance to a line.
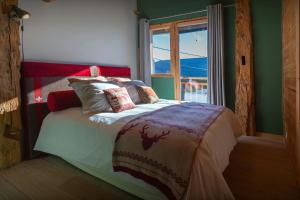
[267, 52]
[164, 87]
[268, 64]
[160, 8]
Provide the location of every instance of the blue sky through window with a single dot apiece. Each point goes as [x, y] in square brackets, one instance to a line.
[192, 51]
[192, 45]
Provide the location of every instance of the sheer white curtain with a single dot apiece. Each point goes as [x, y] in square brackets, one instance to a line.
[216, 87]
[144, 72]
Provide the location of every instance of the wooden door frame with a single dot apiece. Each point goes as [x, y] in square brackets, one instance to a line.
[173, 28]
[298, 90]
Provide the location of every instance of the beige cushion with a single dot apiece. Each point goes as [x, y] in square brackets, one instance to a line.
[147, 94]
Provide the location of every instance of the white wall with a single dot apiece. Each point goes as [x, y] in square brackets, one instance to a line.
[81, 31]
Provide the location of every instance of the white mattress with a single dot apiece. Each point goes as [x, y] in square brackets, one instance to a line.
[87, 142]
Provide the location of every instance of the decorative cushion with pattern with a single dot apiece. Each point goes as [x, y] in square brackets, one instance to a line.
[147, 94]
[119, 99]
[92, 96]
[132, 90]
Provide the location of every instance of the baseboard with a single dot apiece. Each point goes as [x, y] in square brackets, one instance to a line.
[270, 136]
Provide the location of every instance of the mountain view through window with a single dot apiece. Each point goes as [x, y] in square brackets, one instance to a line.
[193, 60]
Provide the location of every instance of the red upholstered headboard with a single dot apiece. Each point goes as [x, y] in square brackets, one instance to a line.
[38, 80]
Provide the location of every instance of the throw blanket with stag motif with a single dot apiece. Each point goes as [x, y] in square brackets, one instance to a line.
[159, 147]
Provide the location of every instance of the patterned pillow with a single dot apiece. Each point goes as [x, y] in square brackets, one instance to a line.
[132, 90]
[92, 96]
[147, 94]
[119, 99]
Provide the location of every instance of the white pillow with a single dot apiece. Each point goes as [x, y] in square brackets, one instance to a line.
[92, 96]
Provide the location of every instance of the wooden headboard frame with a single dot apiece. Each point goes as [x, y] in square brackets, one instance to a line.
[38, 80]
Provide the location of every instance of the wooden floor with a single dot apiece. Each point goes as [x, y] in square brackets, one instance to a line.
[259, 169]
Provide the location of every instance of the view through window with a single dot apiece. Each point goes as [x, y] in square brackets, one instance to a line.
[161, 53]
[179, 50]
[193, 62]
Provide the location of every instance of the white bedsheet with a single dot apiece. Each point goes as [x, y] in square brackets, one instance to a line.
[87, 142]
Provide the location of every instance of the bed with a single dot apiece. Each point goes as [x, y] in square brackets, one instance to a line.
[87, 141]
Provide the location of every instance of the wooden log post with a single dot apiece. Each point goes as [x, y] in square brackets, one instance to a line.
[291, 78]
[10, 120]
[244, 104]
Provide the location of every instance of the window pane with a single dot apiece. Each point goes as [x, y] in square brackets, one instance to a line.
[161, 52]
[193, 62]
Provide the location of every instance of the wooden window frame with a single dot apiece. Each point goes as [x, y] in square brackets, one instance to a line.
[164, 26]
[173, 28]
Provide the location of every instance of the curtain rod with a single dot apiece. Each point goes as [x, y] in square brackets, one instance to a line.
[189, 13]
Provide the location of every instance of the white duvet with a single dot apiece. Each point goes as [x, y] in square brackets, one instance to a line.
[87, 142]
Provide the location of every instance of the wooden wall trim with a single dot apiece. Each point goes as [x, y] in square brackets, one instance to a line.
[175, 59]
[244, 105]
[291, 87]
[298, 88]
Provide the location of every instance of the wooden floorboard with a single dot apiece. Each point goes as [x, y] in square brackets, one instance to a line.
[52, 178]
[9, 191]
[259, 169]
[34, 183]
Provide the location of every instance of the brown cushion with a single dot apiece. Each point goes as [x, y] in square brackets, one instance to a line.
[119, 99]
[147, 94]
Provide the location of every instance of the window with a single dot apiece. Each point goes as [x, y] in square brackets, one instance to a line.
[161, 54]
[179, 50]
[193, 62]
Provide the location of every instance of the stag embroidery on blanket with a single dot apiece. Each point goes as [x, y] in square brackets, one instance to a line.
[159, 147]
[149, 141]
[125, 130]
